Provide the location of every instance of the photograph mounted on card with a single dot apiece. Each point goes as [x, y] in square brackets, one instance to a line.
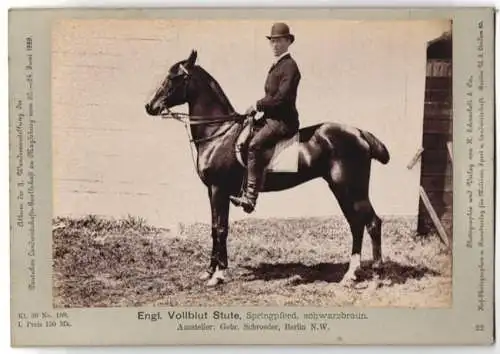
[264, 173]
[115, 156]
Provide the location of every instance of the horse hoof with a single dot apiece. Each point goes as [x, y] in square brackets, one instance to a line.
[348, 280]
[205, 276]
[214, 281]
[347, 283]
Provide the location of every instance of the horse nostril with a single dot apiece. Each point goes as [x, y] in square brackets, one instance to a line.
[148, 108]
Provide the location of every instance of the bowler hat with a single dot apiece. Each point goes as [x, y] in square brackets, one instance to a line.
[280, 29]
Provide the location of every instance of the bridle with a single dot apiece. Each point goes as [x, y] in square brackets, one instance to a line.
[190, 120]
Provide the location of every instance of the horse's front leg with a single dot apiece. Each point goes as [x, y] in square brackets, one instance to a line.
[219, 202]
[207, 274]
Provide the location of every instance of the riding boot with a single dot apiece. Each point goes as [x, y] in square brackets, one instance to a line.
[254, 183]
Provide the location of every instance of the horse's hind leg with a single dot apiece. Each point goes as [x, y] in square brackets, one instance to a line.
[357, 229]
[354, 214]
[374, 228]
[351, 186]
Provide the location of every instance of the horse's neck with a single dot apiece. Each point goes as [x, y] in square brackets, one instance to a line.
[208, 107]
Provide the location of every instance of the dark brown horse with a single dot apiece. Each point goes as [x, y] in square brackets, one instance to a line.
[339, 154]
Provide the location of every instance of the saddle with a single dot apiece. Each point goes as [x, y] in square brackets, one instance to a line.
[285, 156]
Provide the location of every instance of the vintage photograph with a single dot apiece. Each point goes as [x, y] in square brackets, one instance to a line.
[262, 162]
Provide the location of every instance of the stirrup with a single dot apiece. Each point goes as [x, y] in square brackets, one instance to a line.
[243, 201]
[234, 199]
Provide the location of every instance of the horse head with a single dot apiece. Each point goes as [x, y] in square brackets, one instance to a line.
[174, 89]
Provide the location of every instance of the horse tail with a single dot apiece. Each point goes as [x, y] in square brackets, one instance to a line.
[378, 149]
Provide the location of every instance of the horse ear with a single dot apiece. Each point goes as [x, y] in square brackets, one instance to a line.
[192, 58]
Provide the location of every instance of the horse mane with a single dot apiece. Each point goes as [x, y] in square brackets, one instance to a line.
[216, 87]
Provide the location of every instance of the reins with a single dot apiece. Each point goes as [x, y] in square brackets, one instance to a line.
[189, 120]
[204, 120]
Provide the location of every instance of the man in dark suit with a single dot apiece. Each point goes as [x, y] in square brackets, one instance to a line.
[280, 120]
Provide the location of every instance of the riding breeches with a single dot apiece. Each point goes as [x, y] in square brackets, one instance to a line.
[269, 133]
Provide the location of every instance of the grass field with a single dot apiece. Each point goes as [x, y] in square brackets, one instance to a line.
[101, 263]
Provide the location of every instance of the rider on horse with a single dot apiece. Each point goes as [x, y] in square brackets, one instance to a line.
[280, 120]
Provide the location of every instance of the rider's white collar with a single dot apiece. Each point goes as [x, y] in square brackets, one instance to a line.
[276, 60]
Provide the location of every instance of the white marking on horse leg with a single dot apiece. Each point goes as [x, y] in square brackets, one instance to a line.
[218, 277]
[354, 264]
[205, 275]
[219, 274]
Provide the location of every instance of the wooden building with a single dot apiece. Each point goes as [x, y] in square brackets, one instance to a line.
[436, 168]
